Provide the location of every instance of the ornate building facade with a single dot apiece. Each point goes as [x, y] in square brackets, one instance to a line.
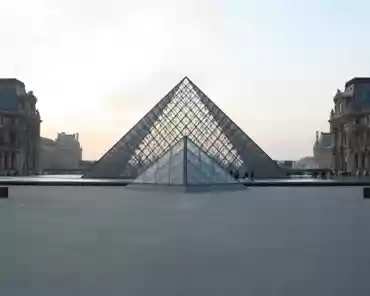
[350, 128]
[63, 153]
[19, 129]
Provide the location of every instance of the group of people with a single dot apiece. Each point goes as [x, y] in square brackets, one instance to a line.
[238, 175]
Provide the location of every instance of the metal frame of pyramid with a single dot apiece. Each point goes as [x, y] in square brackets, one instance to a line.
[184, 111]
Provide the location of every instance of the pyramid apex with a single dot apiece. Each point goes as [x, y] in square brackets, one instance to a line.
[185, 79]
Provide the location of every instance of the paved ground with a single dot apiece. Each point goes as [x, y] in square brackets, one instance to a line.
[116, 241]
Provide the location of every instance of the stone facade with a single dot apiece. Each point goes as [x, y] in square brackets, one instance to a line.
[307, 162]
[47, 154]
[68, 151]
[322, 150]
[350, 128]
[19, 129]
[65, 153]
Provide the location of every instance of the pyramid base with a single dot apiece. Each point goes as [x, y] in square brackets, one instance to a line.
[188, 188]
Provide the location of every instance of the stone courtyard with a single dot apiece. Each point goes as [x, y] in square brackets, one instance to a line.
[117, 241]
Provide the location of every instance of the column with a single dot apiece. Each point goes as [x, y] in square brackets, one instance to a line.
[367, 164]
[363, 162]
[345, 161]
[354, 163]
[334, 160]
[359, 163]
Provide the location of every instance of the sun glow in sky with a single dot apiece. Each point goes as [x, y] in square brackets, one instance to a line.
[272, 66]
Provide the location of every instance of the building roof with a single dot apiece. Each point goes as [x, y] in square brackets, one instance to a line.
[8, 81]
[46, 141]
[358, 80]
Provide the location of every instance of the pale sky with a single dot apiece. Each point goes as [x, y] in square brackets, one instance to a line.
[98, 66]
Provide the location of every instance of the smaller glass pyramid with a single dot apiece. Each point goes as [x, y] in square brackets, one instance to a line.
[185, 164]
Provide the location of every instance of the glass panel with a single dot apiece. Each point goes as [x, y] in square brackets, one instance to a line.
[192, 180]
[192, 147]
[176, 176]
[163, 175]
[149, 174]
[178, 147]
[177, 168]
[164, 160]
[207, 172]
[194, 175]
[140, 179]
[176, 158]
[194, 159]
[206, 160]
[221, 176]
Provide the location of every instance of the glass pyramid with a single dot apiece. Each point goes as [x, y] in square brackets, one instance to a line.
[185, 164]
[168, 169]
[184, 111]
